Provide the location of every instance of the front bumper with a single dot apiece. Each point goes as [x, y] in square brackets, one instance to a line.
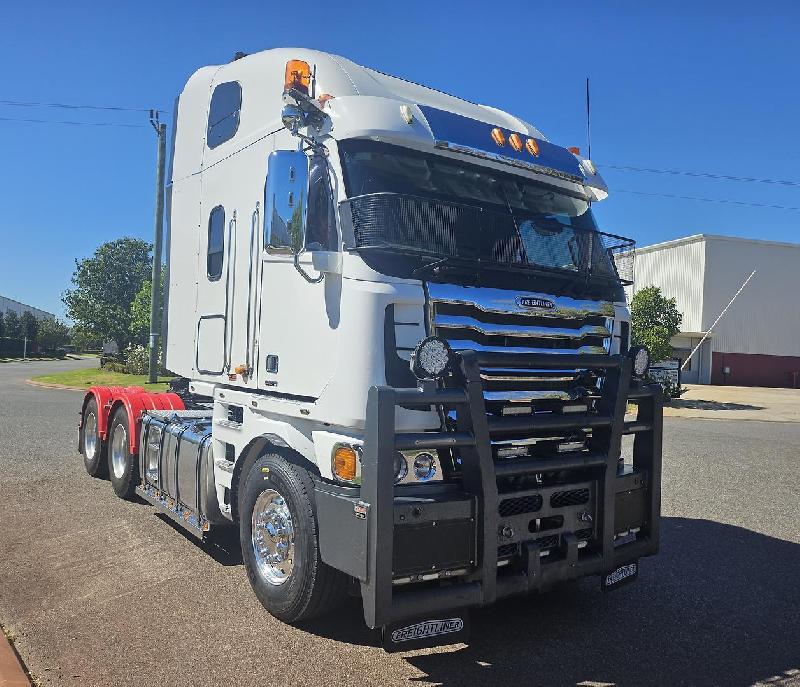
[473, 544]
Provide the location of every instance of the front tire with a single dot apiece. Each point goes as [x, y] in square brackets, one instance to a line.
[123, 466]
[92, 446]
[278, 534]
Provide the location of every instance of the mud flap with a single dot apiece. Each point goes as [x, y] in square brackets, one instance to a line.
[444, 628]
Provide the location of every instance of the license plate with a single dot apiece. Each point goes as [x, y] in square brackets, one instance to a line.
[445, 628]
[622, 575]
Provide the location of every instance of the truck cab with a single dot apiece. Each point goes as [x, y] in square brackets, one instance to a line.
[404, 350]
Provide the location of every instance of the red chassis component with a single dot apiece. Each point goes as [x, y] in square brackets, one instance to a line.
[135, 399]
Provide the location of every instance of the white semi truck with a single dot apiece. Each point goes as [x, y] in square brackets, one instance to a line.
[402, 346]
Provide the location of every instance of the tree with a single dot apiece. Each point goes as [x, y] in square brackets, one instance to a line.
[53, 333]
[2, 325]
[654, 321]
[13, 325]
[85, 341]
[105, 286]
[30, 325]
[140, 312]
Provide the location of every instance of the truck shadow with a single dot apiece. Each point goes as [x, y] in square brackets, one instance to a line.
[698, 404]
[717, 606]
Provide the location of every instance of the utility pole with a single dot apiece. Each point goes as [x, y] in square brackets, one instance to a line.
[155, 290]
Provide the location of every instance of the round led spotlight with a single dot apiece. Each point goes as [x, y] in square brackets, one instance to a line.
[424, 467]
[400, 467]
[641, 360]
[432, 358]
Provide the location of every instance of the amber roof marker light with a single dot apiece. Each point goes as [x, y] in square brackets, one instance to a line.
[532, 147]
[515, 140]
[498, 136]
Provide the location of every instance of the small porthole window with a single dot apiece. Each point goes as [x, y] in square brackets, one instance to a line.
[216, 243]
[224, 113]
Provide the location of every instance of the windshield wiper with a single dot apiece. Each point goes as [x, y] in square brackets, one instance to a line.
[446, 264]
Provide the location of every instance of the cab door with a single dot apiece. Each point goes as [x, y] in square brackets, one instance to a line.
[300, 280]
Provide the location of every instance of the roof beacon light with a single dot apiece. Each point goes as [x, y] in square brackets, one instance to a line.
[516, 142]
[574, 150]
[498, 136]
[532, 146]
[298, 75]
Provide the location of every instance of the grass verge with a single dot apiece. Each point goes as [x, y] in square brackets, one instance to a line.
[84, 378]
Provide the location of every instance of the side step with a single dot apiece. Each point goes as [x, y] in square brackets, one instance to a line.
[174, 510]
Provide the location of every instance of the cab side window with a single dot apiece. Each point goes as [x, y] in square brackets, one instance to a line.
[224, 113]
[216, 243]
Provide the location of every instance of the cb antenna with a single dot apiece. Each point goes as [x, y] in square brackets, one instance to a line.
[588, 122]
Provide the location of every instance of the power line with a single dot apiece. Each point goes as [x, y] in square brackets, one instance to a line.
[24, 103]
[709, 200]
[705, 175]
[70, 121]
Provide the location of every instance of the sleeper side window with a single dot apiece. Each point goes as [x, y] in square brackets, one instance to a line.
[223, 113]
[216, 243]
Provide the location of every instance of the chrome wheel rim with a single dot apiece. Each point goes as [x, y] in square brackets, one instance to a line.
[90, 435]
[272, 536]
[119, 451]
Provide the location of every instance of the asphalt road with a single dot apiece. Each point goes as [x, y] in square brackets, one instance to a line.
[100, 591]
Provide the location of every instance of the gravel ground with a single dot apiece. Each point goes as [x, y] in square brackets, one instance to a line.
[100, 591]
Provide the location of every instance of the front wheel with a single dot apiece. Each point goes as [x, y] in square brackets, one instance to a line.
[278, 533]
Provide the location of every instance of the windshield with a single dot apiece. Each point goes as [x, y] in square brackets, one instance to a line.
[428, 203]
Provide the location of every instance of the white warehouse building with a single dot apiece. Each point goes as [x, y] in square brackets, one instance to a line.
[757, 342]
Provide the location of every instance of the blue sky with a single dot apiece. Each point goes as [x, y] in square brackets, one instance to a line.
[700, 86]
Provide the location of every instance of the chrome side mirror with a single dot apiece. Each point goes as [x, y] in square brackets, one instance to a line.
[286, 202]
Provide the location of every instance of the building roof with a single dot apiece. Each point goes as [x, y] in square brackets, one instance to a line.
[694, 238]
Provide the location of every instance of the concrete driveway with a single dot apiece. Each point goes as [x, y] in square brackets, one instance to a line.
[737, 403]
[101, 591]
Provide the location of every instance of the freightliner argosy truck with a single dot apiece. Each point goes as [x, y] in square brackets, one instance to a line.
[403, 352]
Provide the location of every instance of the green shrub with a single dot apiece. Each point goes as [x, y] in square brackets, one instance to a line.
[115, 367]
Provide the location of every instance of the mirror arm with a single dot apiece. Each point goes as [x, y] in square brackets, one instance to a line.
[304, 274]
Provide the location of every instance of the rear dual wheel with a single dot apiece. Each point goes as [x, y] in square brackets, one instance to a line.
[123, 466]
[94, 449]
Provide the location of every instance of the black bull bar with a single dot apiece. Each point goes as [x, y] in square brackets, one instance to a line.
[390, 535]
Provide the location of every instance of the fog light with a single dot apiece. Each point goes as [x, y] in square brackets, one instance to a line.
[400, 467]
[424, 467]
[641, 360]
[431, 358]
[344, 462]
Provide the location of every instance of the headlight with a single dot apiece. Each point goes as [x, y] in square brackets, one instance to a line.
[400, 467]
[431, 359]
[424, 467]
[641, 360]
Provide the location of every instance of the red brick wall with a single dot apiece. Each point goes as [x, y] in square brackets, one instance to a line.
[750, 369]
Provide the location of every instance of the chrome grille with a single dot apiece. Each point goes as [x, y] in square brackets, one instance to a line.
[498, 320]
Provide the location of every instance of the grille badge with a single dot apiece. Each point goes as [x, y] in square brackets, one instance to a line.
[532, 302]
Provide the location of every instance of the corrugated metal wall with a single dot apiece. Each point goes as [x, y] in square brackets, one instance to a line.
[765, 318]
[19, 308]
[678, 270]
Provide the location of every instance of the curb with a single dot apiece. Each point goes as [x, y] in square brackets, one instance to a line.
[12, 670]
[49, 385]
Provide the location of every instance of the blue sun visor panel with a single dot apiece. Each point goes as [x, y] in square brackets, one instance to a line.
[465, 135]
